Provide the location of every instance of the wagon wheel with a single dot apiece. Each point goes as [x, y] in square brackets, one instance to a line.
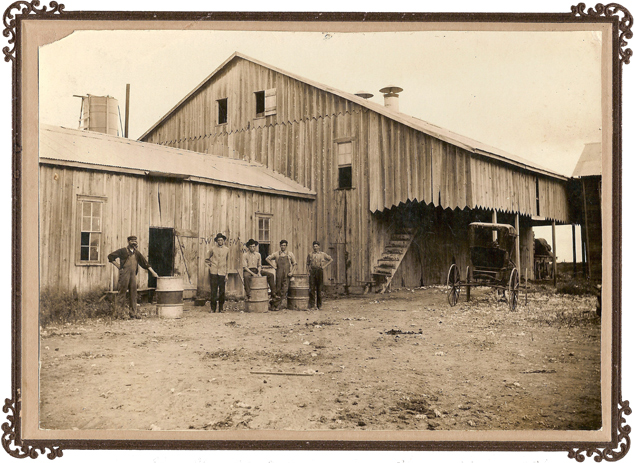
[454, 285]
[514, 283]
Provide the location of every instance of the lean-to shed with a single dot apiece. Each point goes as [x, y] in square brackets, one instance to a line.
[97, 189]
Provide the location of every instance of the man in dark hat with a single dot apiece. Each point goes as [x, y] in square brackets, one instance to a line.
[129, 260]
[252, 267]
[218, 261]
[316, 262]
[285, 264]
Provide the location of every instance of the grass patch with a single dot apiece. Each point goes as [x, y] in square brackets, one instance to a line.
[577, 288]
[70, 306]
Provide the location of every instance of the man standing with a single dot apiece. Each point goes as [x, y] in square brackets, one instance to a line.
[218, 261]
[129, 261]
[252, 267]
[316, 262]
[285, 265]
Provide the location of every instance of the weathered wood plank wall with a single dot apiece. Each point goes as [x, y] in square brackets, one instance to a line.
[133, 204]
[392, 163]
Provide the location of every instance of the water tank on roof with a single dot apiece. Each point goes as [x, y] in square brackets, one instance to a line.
[100, 114]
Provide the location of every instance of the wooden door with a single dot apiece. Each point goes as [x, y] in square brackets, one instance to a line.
[340, 240]
[186, 258]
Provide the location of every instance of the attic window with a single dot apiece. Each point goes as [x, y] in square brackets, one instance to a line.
[266, 102]
[260, 104]
[344, 164]
[222, 111]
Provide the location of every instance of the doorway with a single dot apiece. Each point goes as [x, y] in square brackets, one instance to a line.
[160, 253]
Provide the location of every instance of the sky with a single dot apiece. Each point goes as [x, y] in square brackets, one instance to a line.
[533, 94]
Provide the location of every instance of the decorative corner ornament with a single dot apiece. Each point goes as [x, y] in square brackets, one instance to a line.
[9, 437]
[612, 9]
[610, 454]
[24, 7]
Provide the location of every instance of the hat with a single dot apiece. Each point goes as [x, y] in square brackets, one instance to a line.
[316, 242]
[251, 241]
[132, 238]
[220, 235]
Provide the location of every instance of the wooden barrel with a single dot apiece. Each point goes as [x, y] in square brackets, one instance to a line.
[298, 298]
[259, 301]
[169, 297]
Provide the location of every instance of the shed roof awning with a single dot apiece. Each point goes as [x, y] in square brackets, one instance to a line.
[80, 148]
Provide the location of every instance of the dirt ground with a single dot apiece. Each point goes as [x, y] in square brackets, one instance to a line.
[399, 361]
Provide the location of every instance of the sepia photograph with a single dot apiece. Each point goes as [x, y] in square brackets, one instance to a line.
[229, 244]
[339, 230]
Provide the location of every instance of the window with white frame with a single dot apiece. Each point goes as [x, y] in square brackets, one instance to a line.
[264, 235]
[90, 216]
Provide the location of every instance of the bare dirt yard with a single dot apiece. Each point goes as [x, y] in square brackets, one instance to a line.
[399, 361]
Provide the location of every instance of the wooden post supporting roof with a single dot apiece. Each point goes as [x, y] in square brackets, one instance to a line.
[553, 245]
[517, 225]
[574, 246]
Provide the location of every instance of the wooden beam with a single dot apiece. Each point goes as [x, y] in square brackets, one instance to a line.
[574, 246]
[517, 225]
[125, 133]
[553, 247]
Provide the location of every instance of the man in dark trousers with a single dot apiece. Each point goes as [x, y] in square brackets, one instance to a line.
[285, 265]
[316, 262]
[218, 261]
[129, 260]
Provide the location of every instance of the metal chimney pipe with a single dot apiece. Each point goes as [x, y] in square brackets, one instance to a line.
[391, 97]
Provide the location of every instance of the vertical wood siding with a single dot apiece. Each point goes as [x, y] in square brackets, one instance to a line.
[392, 164]
[134, 204]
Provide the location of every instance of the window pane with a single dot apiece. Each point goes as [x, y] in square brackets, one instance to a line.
[260, 102]
[345, 148]
[96, 209]
[85, 239]
[345, 177]
[86, 222]
[344, 159]
[95, 239]
[222, 111]
[94, 253]
[84, 253]
[86, 209]
[96, 224]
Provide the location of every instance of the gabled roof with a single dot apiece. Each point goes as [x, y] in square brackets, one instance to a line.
[93, 150]
[448, 136]
[590, 162]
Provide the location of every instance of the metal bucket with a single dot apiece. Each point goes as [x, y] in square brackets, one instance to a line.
[259, 301]
[298, 298]
[169, 297]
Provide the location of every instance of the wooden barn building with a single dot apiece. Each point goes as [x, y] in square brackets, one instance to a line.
[383, 180]
[97, 189]
[586, 199]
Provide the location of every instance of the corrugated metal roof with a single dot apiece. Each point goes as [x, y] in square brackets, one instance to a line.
[590, 162]
[94, 150]
[448, 136]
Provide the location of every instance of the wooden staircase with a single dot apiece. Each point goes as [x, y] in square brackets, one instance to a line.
[394, 252]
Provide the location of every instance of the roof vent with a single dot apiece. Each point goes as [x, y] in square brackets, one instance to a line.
[364, 94]
[391, 97]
